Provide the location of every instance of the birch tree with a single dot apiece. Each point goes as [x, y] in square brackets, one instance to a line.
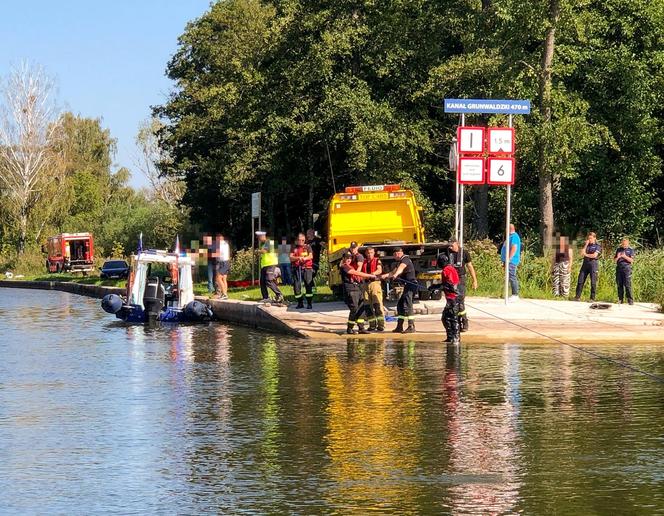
[29, 121]
[165, 188]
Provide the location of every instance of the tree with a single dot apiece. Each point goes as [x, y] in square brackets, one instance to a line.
[164, 187]
[28, 127]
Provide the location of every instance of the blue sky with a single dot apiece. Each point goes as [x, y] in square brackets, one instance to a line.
[108, 58]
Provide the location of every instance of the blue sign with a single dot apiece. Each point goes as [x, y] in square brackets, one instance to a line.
[508, 107]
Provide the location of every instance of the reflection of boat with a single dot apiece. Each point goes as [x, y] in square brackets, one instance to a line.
[159, 288]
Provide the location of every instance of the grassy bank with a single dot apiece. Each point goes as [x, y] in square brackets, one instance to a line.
[535, 278]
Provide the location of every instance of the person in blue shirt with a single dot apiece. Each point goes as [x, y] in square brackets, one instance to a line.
[624, 258]
[590, 266]
[514, 259]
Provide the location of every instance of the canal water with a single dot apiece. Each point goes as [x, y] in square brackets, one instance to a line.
[99, 417]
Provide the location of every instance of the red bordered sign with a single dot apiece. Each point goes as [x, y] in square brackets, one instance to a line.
[471, 171]
[500, 140]
[501, 171]
[470, 140]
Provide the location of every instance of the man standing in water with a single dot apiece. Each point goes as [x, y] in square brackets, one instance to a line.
[589, 267]
[460, 261]
[405, 271]
[512, 260]
[450, 283]
[624, 259]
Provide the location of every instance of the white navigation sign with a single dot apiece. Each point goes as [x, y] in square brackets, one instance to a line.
[501, 171]
[501, 140]
[471, 171]
[256, 205]
[471, 139]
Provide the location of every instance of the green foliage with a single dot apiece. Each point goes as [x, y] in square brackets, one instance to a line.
[535, 279]
[275, 95]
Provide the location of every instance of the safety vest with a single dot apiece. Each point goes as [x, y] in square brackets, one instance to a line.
[269, 258]
[370, 266]
[305, 252]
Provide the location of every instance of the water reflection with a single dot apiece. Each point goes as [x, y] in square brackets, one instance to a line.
[373, 425]
[211, 418]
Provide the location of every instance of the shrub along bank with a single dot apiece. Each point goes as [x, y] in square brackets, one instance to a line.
[534, 276]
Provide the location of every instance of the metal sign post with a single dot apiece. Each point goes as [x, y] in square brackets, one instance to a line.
[500, 166]
[508, 216]
[255, 214]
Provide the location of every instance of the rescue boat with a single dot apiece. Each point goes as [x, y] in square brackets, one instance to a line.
[160, 288]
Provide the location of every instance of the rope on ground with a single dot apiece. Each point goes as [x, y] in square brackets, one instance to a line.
[594, 354]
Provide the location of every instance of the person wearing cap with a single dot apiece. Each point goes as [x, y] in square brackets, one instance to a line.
[450, 284]
[269, 267]
[373, 291]
[350, 279]
[405, 273]
[302, 261]
[461, 261]
[358, 258]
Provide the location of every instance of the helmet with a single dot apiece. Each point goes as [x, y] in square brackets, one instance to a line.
[443, 260]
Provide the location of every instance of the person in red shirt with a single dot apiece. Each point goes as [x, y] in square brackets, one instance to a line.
[450, 283]
[302, 262]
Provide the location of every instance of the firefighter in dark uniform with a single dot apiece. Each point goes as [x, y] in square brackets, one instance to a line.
[450, 283]
[353, 296]
[302, 261]
[405, 272]
[373, 291]
[624, 258]
[461, 261]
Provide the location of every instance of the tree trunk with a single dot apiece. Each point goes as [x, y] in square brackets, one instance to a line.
[545, 170]
[481, 200]
[310, 204]
[23, 231]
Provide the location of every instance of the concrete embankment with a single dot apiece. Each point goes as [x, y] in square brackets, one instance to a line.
[244, 313]
[524, 321]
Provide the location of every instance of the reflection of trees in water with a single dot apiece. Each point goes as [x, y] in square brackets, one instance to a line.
[373, 424]
[483, 439]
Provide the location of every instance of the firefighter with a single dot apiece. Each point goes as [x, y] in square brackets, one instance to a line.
[405, 273]
[450, 283]
[357, 256]
[461, 261]
[268, 264]
[373, 291]
[302, 261]
[351, 278]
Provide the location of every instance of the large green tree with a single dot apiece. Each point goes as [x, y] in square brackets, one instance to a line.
[297, 98]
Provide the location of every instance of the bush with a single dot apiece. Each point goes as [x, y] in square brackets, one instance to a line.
[241, 263]
[535, 279]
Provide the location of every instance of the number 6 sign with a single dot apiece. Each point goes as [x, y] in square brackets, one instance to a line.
[501, 171]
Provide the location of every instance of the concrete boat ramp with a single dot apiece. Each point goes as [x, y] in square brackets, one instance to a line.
[491, 321]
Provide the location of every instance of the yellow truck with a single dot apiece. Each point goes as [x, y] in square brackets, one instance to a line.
[383, 217]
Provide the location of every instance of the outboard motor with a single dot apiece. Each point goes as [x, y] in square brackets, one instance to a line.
[197, 311]
[111, 303]
[154, 297]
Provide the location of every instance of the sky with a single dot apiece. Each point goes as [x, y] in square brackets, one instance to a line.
[108, 58]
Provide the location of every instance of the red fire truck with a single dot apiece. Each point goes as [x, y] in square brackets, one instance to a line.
[70, 252]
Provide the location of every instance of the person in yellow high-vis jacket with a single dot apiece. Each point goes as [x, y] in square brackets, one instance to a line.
[269, 263]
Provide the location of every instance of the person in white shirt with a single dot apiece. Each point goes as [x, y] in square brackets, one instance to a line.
[223, 267]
